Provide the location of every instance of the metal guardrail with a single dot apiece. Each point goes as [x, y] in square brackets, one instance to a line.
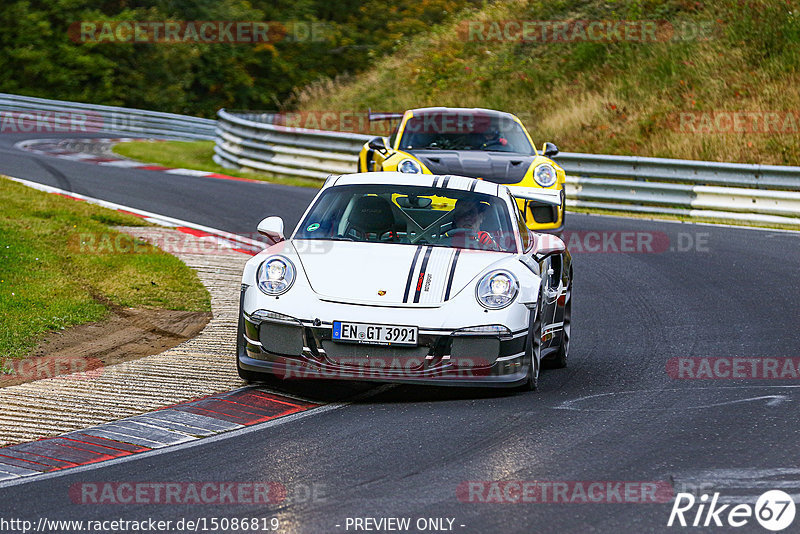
[728, 191]
[25, 114]
[253, 142]
[681, 170]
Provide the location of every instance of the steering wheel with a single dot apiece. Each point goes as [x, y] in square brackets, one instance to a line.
[457, 232]
[483, 240]
[494, 143]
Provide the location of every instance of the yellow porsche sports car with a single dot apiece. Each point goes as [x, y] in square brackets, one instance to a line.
[478, 143]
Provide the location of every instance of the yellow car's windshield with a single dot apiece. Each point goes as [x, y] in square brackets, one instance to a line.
[456, 130]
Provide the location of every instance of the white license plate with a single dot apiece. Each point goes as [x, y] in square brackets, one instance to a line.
[374, 334]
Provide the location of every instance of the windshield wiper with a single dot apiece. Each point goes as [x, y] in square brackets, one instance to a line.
[335, 238]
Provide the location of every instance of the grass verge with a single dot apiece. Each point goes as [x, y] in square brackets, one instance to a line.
[47, 283]
[195, 155]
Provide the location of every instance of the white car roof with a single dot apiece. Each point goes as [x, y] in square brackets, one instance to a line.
[423, 180]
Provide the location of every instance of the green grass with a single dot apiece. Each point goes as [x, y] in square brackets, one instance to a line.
[195, 155]
[47, 283]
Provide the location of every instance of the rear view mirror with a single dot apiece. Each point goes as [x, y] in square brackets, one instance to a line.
[414, 202]
[272, 228]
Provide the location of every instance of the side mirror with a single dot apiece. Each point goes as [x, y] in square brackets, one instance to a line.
[378, 143]
[272, 228]
[547, 245]
[550, 150]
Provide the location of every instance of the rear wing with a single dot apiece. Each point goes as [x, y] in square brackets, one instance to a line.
[543, 196]
[383, 116]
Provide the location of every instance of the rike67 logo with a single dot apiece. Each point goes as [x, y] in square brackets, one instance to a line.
[774, 510]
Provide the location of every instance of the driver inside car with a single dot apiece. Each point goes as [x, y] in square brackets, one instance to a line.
[492, 138]
[467, 219]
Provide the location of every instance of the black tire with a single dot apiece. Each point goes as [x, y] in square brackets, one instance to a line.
[559, 360]
[532, 352]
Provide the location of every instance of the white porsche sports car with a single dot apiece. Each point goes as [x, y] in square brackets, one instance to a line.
[408, 278]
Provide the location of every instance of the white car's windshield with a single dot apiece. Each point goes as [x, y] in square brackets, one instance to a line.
[411, 215]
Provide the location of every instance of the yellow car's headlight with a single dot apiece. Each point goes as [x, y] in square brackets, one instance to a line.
[545, 175]
[409, 166]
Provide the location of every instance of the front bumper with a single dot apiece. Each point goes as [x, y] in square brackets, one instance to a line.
[292, 348]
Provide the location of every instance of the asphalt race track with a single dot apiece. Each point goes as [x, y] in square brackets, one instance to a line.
[614, 415]
[237, 209]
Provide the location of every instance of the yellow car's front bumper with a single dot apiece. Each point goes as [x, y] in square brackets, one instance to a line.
[549, 219]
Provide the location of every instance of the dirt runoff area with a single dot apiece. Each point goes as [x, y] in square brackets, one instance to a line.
[128, 334]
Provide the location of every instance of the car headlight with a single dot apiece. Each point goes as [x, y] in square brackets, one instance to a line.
[275, 275]
[409, 166]
[545, 175]
[497, 290]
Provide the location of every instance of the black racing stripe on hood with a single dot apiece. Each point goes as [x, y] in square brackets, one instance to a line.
[446, 181]
[451, 275]
[411, 273]
[422, 274]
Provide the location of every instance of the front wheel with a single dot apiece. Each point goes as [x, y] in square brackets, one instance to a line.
[559, 361]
